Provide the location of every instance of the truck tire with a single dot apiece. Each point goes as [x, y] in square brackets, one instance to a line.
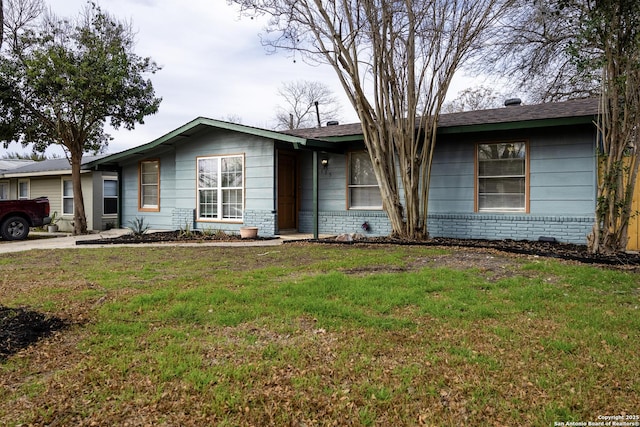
[14, 228]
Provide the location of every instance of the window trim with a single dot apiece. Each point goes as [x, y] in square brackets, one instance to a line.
[104, 179]
[527, 180]
[27, 181]
[149, 208]
[350, 186]
[73, 206]
[220, 218]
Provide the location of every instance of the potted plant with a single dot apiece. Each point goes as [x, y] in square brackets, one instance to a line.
[53, 225]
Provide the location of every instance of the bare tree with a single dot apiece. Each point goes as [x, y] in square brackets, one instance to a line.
[536, 51]
[395, 60]
[471, 99]
[299, 110]
[562, 49]
[20, 16]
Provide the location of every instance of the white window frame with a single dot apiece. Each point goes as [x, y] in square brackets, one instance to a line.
[20, 195]
[142, 186]
[352, 187]
[105, 197]
[220, 206]
[524, 176]
[67, 197]
[6, 191]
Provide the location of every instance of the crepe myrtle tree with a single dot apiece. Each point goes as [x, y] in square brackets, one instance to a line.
[395, 60]
[63, 80]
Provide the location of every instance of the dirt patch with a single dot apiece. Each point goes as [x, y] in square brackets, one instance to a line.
[19, 328]
[170, 236]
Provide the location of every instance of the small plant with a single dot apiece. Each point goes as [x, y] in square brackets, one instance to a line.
[138, 227]
[186, 230]
[55, 218]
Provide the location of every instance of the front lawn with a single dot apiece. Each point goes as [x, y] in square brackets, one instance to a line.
[304, 334]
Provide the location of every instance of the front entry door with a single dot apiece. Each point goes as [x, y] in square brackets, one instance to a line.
[287, 191]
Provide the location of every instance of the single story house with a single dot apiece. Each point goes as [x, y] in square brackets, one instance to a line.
[52, 178]
[518, 172]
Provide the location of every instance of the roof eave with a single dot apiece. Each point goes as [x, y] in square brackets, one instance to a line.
[525, 124]
[170, 138]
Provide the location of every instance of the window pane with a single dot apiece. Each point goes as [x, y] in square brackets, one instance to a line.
[150, 168]
[67, 188]
[232, 204]
[4, 190]
[110, 206]
[110, 188]
[208, 203]
[231, 172]
[67, 206]
[501, 167]
[361, 172]
[207, 173]
[365, 197]
[23, 190]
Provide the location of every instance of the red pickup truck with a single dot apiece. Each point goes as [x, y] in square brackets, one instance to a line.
[16, 216]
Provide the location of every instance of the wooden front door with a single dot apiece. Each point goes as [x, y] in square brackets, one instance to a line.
[287, 191]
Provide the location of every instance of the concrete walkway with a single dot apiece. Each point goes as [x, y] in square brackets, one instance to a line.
[67, 241]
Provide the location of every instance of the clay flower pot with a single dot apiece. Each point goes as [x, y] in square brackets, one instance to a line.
[248, 232]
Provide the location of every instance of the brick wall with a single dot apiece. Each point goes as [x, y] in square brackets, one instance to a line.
[265, 221]
[464, 226]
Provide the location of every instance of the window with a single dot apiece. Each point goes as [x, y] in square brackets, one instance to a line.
[149, 179]
[4, 191]
[364, 192]
[220, 187]
[110, 197]
[502, 177]
[67, 197]
[23, 189]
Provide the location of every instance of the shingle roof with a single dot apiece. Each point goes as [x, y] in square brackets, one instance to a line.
[587, 107]
[9, 164]
[50, 165]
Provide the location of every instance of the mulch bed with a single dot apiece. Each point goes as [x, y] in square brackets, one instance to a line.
[565, 251]
[20, 328]
[169, 236]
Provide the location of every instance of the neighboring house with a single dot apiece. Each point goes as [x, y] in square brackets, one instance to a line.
[52, 178]
[518, 172]
[7, 191]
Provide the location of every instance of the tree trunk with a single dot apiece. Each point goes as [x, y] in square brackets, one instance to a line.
[79, 216]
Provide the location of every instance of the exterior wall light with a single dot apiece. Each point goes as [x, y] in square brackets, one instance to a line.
[324, 162]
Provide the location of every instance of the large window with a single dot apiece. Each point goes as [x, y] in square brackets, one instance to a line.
[149, 185]
[502, 177]
[110, 197]
[364, 192]
[220, 188]
[67, 197]
[23, 189]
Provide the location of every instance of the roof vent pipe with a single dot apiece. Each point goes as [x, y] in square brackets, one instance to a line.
[512, 102]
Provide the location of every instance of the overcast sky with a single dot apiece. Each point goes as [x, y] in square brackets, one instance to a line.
[213, 65]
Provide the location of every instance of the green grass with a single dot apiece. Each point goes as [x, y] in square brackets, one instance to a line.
[319, 334]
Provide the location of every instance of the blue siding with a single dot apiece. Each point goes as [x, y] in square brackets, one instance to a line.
[178, 184]
[562, 190]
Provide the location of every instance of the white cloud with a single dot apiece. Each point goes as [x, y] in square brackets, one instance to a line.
[213, 64]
